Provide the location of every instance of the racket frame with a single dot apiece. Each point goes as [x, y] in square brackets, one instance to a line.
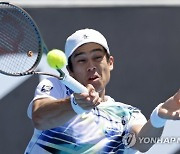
[42, 46]
[65, 78]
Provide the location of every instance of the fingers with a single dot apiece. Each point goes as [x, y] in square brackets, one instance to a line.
[171, 108]
[175, 116]
[164, 113]
[88, 100]
[177, 96]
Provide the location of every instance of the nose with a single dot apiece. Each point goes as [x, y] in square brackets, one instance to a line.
[91, 67]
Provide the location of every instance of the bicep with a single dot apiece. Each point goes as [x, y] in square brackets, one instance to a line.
[40, 103]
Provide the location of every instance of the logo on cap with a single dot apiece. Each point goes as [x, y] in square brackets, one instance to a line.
[85, 36]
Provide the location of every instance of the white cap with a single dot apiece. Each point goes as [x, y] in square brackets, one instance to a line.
[83, 36]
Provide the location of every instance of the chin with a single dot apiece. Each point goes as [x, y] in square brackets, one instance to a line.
[98, 88]
[97, 85]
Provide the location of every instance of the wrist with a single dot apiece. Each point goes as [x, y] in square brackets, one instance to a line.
[75, 106]
[155, 120]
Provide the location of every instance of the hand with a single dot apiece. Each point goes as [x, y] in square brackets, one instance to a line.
[171, 108]
[88, 100]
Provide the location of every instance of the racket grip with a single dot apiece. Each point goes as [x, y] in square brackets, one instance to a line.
[73, 84]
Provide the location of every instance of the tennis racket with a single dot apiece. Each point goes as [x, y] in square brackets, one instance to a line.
[22, 46]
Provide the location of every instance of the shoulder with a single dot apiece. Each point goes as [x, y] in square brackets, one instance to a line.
[130, 108]
[134, 111]
[124, 106]
[125, 109]
[135, 117]
[50, 81]
[48, 84]
[53, 87]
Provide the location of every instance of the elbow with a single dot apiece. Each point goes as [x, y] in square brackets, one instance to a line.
[38, 121]
[143, 148]
[42, 122]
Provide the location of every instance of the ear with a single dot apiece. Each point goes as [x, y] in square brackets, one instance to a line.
[111, 63]
[70, 72]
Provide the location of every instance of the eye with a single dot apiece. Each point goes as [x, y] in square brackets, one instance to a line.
[81, 60]
[98, 58]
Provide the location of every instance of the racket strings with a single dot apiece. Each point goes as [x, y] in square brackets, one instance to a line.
[20, 42]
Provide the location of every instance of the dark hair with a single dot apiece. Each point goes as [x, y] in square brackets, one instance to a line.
[70, 63]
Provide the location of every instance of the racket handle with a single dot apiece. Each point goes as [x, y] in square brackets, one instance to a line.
[73, 84]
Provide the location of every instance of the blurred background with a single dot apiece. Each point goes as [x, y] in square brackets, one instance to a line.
[144, 38]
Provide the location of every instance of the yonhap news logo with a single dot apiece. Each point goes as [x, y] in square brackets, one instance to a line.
[129, 140]
[159, 140]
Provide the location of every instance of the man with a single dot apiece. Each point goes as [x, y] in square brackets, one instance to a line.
[91, 122]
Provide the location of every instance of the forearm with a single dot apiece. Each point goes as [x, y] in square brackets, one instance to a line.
[49, 113]
[147, 132]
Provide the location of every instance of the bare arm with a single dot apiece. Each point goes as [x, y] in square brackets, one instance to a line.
[169, 110]
[49, 113]
[141, 132]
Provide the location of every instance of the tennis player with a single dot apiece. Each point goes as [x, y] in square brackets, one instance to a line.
[93, 122]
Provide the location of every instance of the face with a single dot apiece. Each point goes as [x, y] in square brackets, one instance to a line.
[90, 66]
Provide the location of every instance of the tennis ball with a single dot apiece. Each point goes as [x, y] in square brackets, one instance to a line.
[56, 59]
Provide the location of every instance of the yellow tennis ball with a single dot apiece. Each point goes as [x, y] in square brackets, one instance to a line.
[56, 59]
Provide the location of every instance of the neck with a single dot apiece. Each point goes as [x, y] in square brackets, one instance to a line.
[102, 95]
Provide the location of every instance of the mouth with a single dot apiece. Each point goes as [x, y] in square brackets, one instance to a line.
[93, 78]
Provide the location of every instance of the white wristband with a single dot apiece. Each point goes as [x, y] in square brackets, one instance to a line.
[157, 121]
[75, 106]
